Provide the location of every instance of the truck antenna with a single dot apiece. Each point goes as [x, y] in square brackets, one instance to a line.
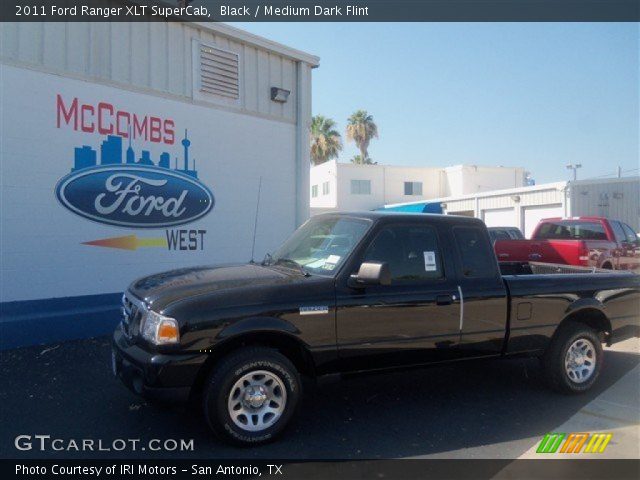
[255, 223]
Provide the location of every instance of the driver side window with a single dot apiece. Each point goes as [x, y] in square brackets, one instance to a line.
[632, 237]
[411, 251]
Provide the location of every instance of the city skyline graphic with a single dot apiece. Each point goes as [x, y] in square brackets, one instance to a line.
[111, 153]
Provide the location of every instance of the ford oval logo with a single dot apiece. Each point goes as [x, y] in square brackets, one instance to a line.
[135, 196]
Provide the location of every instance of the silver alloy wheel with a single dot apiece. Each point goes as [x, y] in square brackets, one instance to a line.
[580, 361]
[257, 400]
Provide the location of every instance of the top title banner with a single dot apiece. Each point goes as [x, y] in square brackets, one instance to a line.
[320, 10]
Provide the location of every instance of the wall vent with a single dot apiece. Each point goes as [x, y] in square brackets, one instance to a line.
[219, 73]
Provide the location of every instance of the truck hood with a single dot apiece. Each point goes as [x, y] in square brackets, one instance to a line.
[161, 289]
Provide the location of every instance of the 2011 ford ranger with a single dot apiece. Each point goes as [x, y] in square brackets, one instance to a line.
[355, 292]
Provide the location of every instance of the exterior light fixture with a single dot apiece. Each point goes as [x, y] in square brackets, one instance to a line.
[515, 198]
[279, 94]
[574, 167]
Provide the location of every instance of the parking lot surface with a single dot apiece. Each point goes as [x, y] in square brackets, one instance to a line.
[480, 409]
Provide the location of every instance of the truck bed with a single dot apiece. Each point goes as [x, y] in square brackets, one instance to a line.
[542, 268]
[540, 292]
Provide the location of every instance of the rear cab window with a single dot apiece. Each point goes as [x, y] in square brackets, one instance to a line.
[499, 235]
[571, 230]
[475, 253]
[516, 234]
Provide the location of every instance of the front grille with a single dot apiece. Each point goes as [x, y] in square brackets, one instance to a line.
[132, 311]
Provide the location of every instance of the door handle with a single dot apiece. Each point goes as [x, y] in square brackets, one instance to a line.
[535, 256]
[444, 300]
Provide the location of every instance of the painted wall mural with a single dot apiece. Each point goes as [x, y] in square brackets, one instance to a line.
[101, 185]
[117, 187]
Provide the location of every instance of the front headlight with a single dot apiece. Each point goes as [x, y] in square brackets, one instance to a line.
[158, 329]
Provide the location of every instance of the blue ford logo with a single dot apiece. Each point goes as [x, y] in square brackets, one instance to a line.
[135, 196]
[129, 192]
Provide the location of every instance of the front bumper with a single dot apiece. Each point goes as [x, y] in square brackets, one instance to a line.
[155, 376]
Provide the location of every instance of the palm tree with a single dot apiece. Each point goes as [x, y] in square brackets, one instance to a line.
[326, 142]
[359, 160]
[361, 129]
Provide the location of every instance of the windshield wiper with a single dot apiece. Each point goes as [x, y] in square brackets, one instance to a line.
[292, 263]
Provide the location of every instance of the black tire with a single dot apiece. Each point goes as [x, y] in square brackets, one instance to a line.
[230, 370]
[556, 355]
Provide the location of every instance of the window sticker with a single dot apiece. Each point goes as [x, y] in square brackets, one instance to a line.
[333, 259]
[429, 261]
[315, 264]
[330, 262]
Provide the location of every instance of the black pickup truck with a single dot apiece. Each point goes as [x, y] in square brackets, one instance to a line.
[358, 292]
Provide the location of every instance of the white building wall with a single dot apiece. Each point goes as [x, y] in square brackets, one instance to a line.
[453, 182]
[143, 69]
[395, 177]
[617, 198]
[348, 172]
[156, 56]
[464, 206]
[388, 183]
[43, 254]
[467, 179]
[325, 173]
[517, 199]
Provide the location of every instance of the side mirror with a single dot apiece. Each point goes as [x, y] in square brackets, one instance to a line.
[371, 273]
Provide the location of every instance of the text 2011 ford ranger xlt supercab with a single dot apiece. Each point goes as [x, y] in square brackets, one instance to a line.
[355, 292]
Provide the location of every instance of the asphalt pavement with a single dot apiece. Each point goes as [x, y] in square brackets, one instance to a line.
[479, 409]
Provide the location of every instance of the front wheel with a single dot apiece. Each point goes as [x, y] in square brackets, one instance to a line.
[251, 396]
[573, 360]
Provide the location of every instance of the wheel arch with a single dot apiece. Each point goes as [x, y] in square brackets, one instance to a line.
[590, 313]
[281, 340]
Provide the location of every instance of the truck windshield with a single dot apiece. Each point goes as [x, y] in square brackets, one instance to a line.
[571, 231]
[321, 245]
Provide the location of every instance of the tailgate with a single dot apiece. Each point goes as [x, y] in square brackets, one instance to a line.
[558, 251]
[548, 251]
[512, 250]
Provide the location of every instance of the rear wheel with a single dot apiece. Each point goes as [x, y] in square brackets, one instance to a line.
[573, 360]
[251, 396]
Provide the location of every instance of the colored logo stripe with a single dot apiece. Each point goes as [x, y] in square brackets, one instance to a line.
[550, 443]
[128, 242]
[574, 443]
[598, 443]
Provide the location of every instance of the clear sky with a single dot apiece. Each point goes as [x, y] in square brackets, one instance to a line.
[533, 95]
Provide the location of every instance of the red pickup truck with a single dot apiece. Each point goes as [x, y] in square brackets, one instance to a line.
[585, 241]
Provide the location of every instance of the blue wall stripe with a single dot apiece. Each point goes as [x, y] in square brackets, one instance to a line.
[41, 322]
